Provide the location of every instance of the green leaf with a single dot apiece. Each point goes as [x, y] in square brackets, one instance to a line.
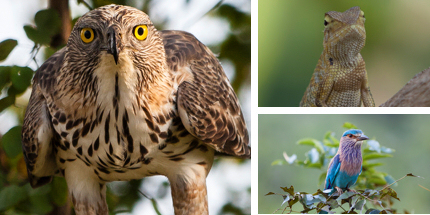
[40, 204]
[40, 191]
[10, 196]
[345, 195]
[389, 191]
[12, 142]
[155, 206]
[321, 197]
[6, 102]
[37, 36]
[293, 201]
[48, 21]
[369, 192]
[328, 135]
[375, 156]
[370, 165]
[333, 203]
[377, 178]
[349, 125]
[288, 190]
[312, 142]
[4, 76]
[21, 77]
[278, 162]
[314, 165]
[359, 205]
[6, 47]
[330, 140]
[270, 193]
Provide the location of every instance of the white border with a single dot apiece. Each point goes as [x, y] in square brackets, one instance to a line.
[254, 106]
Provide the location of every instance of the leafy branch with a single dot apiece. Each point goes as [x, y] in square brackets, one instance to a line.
[368, 183]
[321, 202]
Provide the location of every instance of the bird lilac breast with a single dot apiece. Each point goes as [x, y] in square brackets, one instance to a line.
[346, 165]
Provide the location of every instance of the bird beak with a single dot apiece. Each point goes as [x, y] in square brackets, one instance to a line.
[363, 137]
[113, 43]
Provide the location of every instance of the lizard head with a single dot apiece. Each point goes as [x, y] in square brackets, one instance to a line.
[344, 34]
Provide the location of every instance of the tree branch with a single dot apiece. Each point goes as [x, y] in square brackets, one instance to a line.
[416, 93]
[62, 7]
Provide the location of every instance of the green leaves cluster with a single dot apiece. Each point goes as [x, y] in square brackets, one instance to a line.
[322, 151]
[237, 46]
[48, 24]
[351, 202]
[16, 194]
[24, 199]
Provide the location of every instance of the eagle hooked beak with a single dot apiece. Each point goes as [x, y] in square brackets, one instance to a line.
[114, 40]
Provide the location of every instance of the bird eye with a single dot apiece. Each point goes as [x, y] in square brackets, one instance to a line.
[325, 23]
[350, 135]
[87, 35]
[141, 32]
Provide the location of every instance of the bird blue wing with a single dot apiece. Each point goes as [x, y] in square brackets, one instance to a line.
[332, 172]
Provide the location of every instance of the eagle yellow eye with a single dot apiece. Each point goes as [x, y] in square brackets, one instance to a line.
[141, 32]
[87, 35]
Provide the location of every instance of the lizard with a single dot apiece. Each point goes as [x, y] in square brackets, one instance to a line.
[340, 77]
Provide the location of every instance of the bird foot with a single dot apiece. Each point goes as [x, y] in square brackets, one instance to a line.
[339, 190]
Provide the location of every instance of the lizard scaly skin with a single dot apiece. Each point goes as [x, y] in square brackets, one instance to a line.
[340, 78]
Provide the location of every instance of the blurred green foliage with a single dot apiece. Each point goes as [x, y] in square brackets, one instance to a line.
[407, 133]
[322, 152]
[16, 195]
[290, 37]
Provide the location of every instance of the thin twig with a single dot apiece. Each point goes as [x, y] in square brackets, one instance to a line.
[399, 180]
[85, 3]
[190, 23]
[423, 187]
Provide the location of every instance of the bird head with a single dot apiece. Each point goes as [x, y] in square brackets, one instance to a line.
[115, 35]
[354, 135]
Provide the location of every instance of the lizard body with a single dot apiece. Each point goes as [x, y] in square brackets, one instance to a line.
[340, 77]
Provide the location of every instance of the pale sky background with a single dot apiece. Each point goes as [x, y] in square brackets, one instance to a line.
[182, 16]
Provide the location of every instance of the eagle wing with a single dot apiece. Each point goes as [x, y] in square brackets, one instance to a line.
[206, 102]
[38, 135]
